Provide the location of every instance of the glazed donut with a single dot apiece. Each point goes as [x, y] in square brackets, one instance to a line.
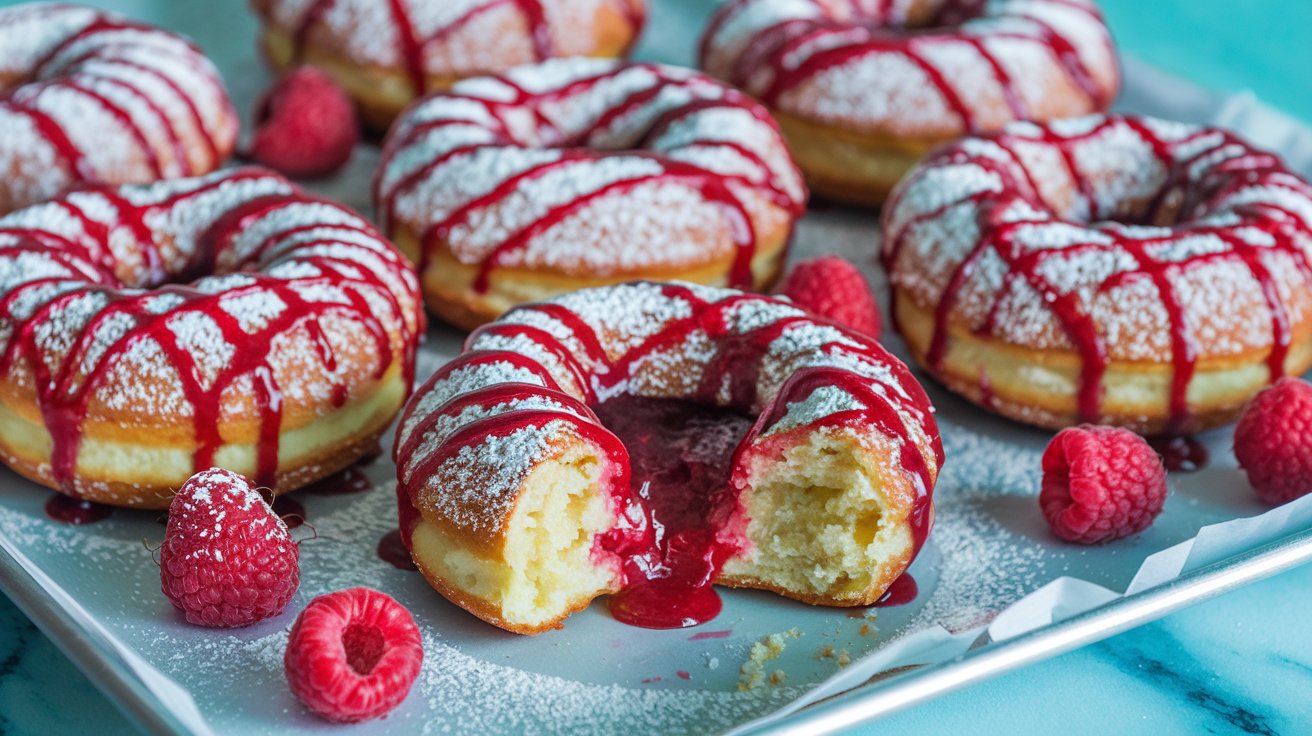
[151, 331]
[521, 506]
[91, 98]
[386, 53]
[865, 88]
[582, 172]
[1118, 270]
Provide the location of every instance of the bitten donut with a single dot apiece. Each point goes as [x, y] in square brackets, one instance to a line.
[148, 332]
[645, 440]
[92, 98]
[386, 53]
[1118, 270]
[864, 89]
[578, 173]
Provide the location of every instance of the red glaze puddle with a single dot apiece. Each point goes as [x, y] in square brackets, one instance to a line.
[681, 454]
[901, 592]
[76, 511]
[1181, 454]
[684, 675]
[671, 459]
[392, 550]
[351, 480]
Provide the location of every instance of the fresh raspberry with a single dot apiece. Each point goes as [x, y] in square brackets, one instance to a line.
[1273, 441]
[305, 125]
[833, 288]
[353, 655]
[227, 559]
[1100, 484]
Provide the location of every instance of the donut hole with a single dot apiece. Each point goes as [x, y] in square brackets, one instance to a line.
[817, 521]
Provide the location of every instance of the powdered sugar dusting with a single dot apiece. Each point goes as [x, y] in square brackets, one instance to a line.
[104, 100]
[655, 340]
[1210, 191]
[114, 341]
[490, 184]
[853, 65]
[456, 37]
[475, 489]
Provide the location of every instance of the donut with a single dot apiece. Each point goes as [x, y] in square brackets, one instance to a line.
[644, 440]
[151, 331]
[1111, 269]
[582, 172]
[386, 53]
[864, 90]
[92, 98]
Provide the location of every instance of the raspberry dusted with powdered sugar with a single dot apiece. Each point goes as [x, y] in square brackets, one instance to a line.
[834, 288]
[1273, 441]
[353, 655]
[1100, 484]
[227, 559]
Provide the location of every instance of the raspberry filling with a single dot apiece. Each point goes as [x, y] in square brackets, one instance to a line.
[681, 456]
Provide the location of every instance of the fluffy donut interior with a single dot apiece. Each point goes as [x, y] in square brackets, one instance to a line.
[547, 567]
[817, 523]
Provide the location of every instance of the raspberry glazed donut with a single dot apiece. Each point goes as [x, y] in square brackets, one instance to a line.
[1117, 270]
[645, 440]
[92, 98]
[151, 331]
[865, 88]
[582, 172]
[386, 53]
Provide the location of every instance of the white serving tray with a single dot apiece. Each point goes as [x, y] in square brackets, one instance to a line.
[996, 590]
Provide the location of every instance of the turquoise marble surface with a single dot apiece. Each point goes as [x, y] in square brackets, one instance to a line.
[1239, 664]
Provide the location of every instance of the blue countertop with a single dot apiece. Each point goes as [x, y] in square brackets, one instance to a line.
[1239, 664]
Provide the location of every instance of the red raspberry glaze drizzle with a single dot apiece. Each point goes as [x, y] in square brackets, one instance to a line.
[66, 390]
[1204, 169]
[675, 517]
[65, 71]
[799, 47]
[75, 511]
[675, 165]
[412, 48]
[158, 105]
